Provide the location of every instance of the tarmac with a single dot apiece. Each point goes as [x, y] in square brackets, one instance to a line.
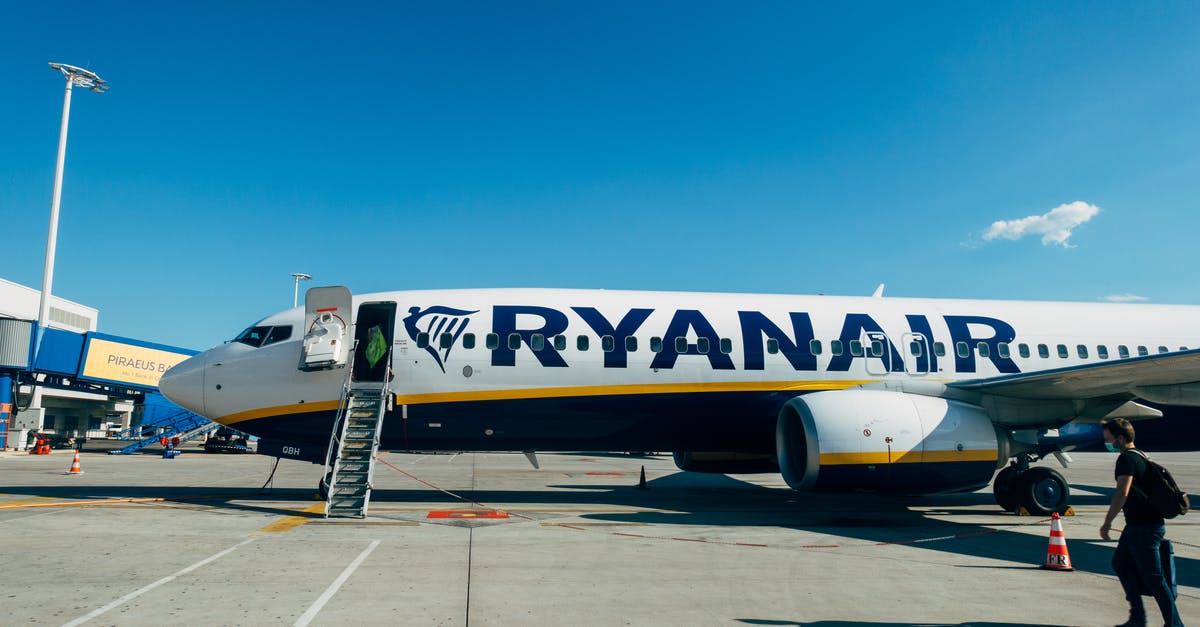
[485, 539]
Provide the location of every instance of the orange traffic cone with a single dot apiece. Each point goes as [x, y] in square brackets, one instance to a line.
[75, 469]
[1057, 557]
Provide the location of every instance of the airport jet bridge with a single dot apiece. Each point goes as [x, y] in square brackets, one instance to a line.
[96, 363]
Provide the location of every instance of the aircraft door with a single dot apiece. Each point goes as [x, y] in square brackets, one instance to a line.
[327, 332]
[373, 332]
[877, 351]
[916, 351]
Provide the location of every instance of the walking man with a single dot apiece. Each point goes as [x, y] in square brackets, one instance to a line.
[1136, 560]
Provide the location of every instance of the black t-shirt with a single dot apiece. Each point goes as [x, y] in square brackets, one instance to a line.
[1137, 509]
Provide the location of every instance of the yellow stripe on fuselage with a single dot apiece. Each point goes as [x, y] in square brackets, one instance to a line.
[908, 457]
[557, 392]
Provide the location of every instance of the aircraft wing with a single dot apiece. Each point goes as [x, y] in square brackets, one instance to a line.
[1169, 378]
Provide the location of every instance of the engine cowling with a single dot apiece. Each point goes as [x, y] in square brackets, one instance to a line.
[724, 463]
[883, 440]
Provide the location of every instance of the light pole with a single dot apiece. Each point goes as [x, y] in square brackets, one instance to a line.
[89, 80]
[299, 276]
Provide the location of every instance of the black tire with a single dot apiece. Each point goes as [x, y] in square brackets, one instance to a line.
[323, 486]
[1004, 488]
[1043, 491]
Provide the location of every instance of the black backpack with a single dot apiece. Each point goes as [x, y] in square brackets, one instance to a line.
[1160, 490]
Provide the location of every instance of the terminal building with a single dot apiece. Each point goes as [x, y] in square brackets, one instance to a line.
[74, 386]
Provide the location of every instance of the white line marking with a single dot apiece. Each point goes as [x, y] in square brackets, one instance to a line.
[307, 617]
[143, 590]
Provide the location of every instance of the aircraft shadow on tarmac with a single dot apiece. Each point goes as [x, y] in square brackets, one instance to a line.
[242, 499]
[720, 500]
[840, 623]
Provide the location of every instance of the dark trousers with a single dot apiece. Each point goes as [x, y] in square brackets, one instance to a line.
[1139, 567]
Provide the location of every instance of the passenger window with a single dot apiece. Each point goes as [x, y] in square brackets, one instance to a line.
[1023, 350]
[1102, 351]
[1142, 352]
[537, 342]
[772, 345]
[656, 345]
[1043, 351]
[630, 343]
[514, 341]
[1123, 351]
[814, 347]
[681, 345]
[876, 348]
[422, 340]
[1062, 351]
[1161, 349]
[1002, 350]
[962, 349]
[726, 345]
[491, 341]
[984, 349]
[581, 343]
[560, 342]
[1081, 350]
[939, 349]
[702, 345]
[914, 347]
[445, 340]
[608, 344]
[468, 341]
[835, 347]
[856, 348]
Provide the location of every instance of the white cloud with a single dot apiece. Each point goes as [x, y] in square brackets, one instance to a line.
[1054, 227]
[1124, 298]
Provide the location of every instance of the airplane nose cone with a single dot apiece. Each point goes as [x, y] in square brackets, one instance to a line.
[184, 384]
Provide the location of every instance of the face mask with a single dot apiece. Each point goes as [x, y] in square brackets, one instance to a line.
[1112, 448]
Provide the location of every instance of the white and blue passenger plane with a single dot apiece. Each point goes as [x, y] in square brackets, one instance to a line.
[854, 393]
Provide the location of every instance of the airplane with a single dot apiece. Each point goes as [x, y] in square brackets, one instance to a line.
[834, 392]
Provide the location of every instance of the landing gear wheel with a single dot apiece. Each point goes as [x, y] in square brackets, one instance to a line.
[1043, 490]
[1004, 488]
[323, 486]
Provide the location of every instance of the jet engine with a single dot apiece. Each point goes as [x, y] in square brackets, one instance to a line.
[884, 440]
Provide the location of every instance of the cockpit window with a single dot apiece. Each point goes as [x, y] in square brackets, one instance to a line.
[253, 336]
[278, 334]
[263, 336]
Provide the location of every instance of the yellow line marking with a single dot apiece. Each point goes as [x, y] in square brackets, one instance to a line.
[907, 457]
[81, 503]
[287, 523]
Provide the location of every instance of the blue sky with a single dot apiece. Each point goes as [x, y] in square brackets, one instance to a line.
[780, 147]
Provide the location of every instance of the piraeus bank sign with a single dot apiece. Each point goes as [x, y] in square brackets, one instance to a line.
[117, 360]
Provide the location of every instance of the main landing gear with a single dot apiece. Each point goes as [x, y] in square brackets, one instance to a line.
[1040, 490]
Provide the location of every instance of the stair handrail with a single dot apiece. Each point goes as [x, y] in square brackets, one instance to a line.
[340, 416]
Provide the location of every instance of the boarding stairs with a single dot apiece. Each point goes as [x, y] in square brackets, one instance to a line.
[350, 459]
[185, 425]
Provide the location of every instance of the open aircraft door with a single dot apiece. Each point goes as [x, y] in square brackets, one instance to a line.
[328, 328]
[374, 329]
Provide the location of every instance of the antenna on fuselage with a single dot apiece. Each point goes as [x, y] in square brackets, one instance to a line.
[878, 292]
